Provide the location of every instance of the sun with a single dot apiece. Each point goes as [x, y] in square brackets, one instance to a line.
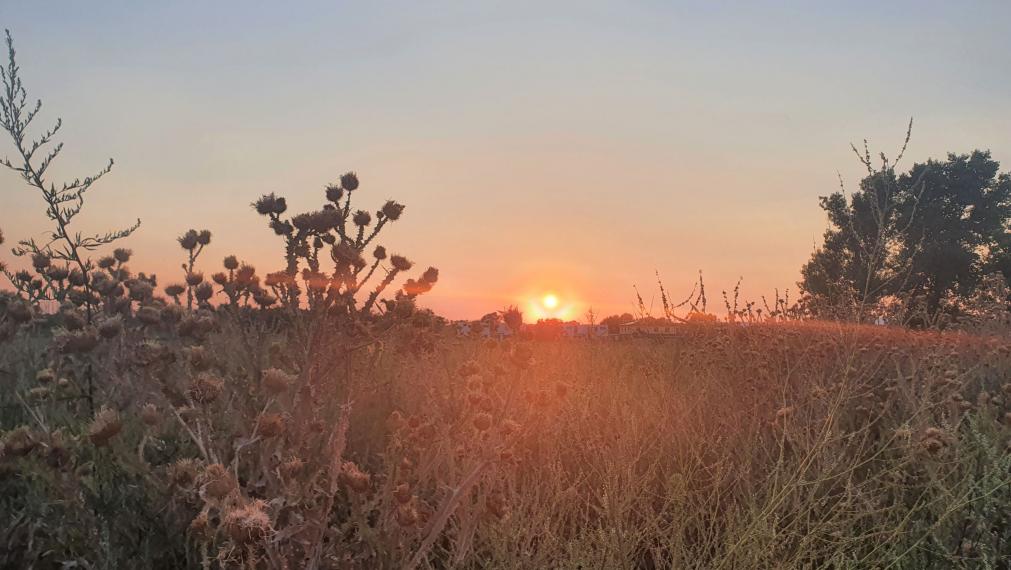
[550, 301]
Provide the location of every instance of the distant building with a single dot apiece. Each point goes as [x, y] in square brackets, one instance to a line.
[578, 330]
[648, 326]
[463, 328]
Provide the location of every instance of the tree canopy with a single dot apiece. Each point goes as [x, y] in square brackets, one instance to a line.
[925, 237]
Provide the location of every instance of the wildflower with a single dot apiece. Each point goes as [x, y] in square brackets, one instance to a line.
[482, 421]
[204, 237]
[402, 493]
[292, 468]
[248, 524]
[218, 482]
[194, 279]
[110, 327]
[45, 376]
[104, 427]
[334, 193]
[361, 218]
[72, 320]
[40, 261]
[270, 425]
[355, 479]
[183, 473]
[204, 292]
[349, 181]
[392, 210]
[78, 342]
[276, 380]
[149, 315]
[400, 263]
[188, 241]
[200, 526]
[270, 204]
[18, 442]
[39, 393]
[379, 253]
[140, 290]
[58, 272]
[205, 388]
[122, 255]
[149, 415]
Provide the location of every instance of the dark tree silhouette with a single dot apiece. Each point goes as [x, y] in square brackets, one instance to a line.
[939, 229]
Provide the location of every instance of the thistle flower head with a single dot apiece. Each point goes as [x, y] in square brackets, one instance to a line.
[122, 254]
[40, 261]
[217, 482]
[362, 218]
[204, 237]
[392, 210]
[205, 388]
[400, 263]
[248, 524]
[355, 479]
[231, 262]
[175, 289]
[189, 240]
[150, 415]
[349, 181]
[276, 381]
[334, 193]
[379, 252]
[104, 427]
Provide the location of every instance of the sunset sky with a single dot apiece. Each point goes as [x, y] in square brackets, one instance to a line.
[540, 147]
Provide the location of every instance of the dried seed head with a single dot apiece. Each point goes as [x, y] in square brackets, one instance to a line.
[218, 482]
[355, 479]
[231, 262]
[194, 278]
[183, 473]
[482, 421]
[122, 255]
[18, 442]
[392, 210]
[149, 315]
[361, 218]
[40, 261]
[276, 381]
[349, 181]
[45, 376]
[150, 415]
[188, 240]
[402, 493]
[205, 388]
[200, 527]
[104, 427]
[78, 342]
[292, 468]
[407, 515]
[270, 425]
[400, 263]
[110, 327]
[334, 193]
[204, 237]
[379, 252]
[248, 524]
[203, 292]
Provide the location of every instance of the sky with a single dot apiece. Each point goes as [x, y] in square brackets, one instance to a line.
[570, 148]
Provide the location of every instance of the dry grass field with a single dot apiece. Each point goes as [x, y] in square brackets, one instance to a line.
[777, 445]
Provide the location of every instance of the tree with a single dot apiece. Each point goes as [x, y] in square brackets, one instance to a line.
[925, 237]
[613, 322]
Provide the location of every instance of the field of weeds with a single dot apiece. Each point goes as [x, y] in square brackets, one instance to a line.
[780, 445]
[317, 417]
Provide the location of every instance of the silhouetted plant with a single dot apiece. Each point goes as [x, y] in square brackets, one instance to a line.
[63, 203]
